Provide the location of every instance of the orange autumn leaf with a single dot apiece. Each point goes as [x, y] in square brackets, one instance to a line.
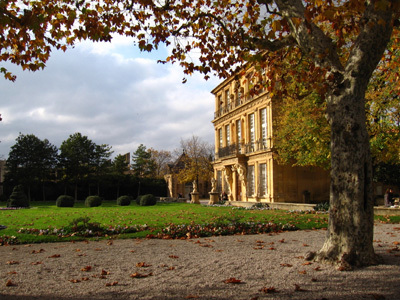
[286, 265]
[232, 280]
[142, 265]
[173, 256]
[86, 269]
[139, 275]
[10, 283]
[112, 283]
[12, 262]
[54, 256]
[268, 290]
[104, 272]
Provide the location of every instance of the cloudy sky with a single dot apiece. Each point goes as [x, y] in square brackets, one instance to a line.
[111, 93]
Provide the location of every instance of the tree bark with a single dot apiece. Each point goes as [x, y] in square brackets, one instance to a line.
[349, 239]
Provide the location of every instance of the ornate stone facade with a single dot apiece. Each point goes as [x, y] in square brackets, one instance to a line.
[244, 166]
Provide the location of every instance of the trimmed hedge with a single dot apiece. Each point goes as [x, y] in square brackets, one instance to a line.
[65, 201]
[148, 200]
[18, 198]
[124, 200]
[93, 201]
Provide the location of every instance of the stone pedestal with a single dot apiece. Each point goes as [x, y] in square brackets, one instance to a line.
[214, 199]
[195, 198]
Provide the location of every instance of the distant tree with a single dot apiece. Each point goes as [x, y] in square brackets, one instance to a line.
[197, 162]
[143, 165]
[101, 163]
[31, 161]
[119, 168]
[77, 156]
[161, 159]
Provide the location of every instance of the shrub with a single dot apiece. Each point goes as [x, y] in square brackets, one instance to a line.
[18, 198]
[93, 201]
[65, 201]
[322, 206]
[124, 200]
[148, 200]
[138, 200]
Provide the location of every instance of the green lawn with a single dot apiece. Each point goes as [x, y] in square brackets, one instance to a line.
[44, 215]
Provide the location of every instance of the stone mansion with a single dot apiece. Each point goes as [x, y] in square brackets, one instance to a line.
[245, 165]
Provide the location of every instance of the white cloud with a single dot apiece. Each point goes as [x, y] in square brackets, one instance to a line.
[110, 92]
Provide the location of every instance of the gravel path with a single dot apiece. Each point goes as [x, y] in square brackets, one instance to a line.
[268, 266]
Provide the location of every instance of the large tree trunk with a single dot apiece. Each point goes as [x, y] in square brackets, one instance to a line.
[349, 239]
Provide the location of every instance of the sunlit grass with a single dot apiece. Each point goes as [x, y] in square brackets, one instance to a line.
[43, 215]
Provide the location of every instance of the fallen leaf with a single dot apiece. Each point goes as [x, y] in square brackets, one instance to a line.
[104, 272]
[317, 268]
[232, 280]
[297, 288]
[303, 272]
[12, 272]
[282, 240]
[138, 275]
[173, 256]
[132, 251]
[109, 243]
[86, 269]
[74, 280]
[37, 251]
[305, 245]
[272, 248]
[12, 262]
[98, 249]
[54, 256]
[191, 297]
[307, 263]
[85, 278]
[36, 263]
[112, 283]
[10, 283]
[286, 265]
[268, 290]
[142, 265]
[314, 279]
